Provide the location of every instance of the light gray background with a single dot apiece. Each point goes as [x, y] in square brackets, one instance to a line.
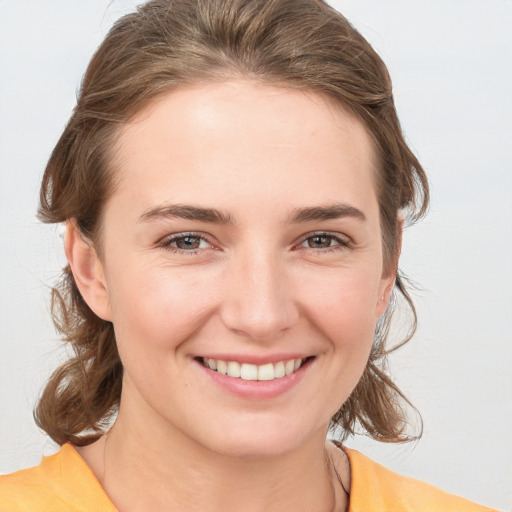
[451, 65]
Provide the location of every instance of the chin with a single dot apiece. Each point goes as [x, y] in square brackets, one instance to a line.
[261, 439]
[250, 448]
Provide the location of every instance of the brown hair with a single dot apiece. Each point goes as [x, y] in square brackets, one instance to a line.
[303, 44]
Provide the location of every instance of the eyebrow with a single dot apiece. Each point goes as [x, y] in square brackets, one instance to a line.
[214, 216]
[188, 212]
[329, 212]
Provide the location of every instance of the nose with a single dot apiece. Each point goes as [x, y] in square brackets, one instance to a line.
[258, 298]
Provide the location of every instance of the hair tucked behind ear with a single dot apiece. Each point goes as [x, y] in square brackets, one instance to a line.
[299, 44]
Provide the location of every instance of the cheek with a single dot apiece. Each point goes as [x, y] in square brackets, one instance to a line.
[342, 312]
[343, 309]
[343, 300]
[155, 309]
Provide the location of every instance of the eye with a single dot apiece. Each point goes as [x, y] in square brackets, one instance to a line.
[324, 241]
[186, 242]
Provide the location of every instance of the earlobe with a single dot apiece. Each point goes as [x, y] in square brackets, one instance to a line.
[87, 271]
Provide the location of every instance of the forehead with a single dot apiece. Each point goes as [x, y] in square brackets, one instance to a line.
[244, 140]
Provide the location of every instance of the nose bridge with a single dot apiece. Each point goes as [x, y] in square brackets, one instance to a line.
[259, 298]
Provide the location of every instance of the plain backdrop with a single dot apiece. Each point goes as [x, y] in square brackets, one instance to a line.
[451, 64]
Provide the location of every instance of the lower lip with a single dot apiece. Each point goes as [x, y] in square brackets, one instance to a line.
[256, 389]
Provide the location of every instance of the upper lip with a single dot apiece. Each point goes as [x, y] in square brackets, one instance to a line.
[257, 359]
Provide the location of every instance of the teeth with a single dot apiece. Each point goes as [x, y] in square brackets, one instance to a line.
[222, 367]
[249, 372]
[266, 372]
[279, 370]
[246, 371]
[233, 369]
[289, 367]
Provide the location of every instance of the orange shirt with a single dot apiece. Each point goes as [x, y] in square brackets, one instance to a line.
[64, 483]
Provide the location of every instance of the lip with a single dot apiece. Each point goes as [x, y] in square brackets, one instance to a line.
[255, 389]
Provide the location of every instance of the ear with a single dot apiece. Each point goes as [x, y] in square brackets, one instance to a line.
[388, 279]
[87, 271]
[385, 289]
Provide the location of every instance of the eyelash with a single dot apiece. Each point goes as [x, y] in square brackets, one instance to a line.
[341, 243]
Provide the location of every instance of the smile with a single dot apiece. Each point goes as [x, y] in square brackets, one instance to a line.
[246, 371]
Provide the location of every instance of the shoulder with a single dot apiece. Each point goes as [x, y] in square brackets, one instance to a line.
[60, 483]
[373, 487]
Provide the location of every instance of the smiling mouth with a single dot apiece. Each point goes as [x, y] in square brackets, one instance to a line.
[246, 371]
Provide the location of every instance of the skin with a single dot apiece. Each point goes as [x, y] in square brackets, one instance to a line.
[259, 286]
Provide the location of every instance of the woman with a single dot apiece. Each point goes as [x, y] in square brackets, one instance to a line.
[233, 182]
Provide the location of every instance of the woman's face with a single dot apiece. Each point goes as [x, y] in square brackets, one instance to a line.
[244, 235]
